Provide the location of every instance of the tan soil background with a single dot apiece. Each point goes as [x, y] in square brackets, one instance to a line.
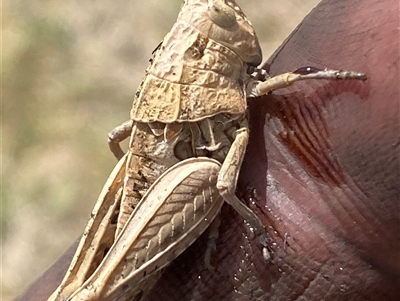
[69, 71]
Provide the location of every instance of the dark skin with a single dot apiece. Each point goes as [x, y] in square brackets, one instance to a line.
[322, 171]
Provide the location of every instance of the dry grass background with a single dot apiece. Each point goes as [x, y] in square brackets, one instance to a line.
[69, 71]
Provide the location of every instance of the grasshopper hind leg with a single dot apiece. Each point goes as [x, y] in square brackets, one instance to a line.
[213, 234]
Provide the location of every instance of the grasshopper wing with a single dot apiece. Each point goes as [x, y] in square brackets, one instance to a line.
[97, 237]
[173, 213]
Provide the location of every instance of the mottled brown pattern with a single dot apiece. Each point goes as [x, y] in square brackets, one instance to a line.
[331, 239]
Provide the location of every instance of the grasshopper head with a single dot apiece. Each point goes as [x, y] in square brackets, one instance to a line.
[224, 22]
[232, 29]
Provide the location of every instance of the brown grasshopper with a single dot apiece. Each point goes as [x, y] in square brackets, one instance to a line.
[188, 136]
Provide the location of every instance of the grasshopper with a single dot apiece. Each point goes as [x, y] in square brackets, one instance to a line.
[188, 136]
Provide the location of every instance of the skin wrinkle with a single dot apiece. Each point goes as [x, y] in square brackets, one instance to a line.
[296, 142]
[320, 127]
[358, 194]
[345, 214]
[316, 150]
[342, 204]
[300, 122]
[243, 272]
[318, 277]
[310, 129]
[313, 157]
[291, 171]
[305, 287]
[322, 109]
[359, 200]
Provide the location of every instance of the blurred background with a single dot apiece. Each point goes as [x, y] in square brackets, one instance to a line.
[69, 73]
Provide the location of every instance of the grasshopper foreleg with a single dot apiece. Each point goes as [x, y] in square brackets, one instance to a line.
[258, 88]
[117, 135]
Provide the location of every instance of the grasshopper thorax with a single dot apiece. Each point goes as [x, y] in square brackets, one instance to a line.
[200, 68]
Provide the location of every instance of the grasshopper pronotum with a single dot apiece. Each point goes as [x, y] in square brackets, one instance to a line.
[188, 135]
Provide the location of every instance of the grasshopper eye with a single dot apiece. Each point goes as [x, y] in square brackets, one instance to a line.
[221, 14]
